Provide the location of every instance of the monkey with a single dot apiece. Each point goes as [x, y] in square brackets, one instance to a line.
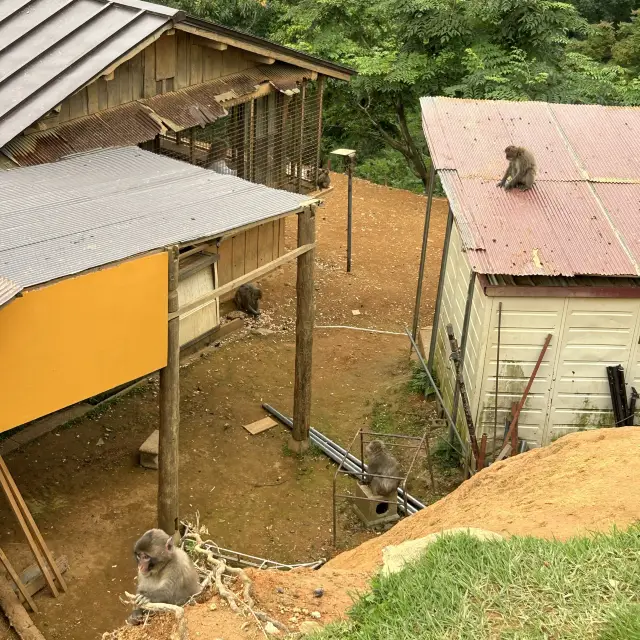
[247, 299]
[217, 157]
[381, 462]
[324, 179]
[165, 572]
[522, 169]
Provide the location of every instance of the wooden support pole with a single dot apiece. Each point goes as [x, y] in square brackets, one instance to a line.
[192, 146]
[170, 411]
[320, 90]
[299, 440]
[303, 96]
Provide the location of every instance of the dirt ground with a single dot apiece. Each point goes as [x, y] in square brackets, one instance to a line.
[91, 499]
[584, 482]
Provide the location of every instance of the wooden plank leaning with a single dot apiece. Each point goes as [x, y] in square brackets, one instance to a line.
[30, 530]
[16, 578]
[514, 420]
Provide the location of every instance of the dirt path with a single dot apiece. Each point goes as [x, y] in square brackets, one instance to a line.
[92, 500]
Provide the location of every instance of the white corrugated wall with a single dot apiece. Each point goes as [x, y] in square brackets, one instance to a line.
[571, 391]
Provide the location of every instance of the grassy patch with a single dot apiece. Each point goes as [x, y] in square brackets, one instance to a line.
[382, 420]
[446, 456]
[521, 588]
[419, 382]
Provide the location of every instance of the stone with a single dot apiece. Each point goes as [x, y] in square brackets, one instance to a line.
[271, 629]
[234, 315]
[318, 593]
[316, 615]
[262, 332]
[396, 556]
[310, 626]
[149, 451]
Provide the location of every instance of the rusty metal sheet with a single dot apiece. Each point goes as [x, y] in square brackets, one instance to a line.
[470, 136]
[622, 202]
[120, 126]
[52, 48]
[555, 229]
[8, 290]
[606, 140]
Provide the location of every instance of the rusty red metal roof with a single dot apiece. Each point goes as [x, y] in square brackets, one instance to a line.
[581, 217]
[141, 120]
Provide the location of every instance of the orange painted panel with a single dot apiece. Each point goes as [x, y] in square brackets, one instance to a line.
[76, 338]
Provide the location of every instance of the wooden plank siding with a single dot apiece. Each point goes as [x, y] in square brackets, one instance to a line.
[170, 63]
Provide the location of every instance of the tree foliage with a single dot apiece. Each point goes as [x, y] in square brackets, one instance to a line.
[479, 49]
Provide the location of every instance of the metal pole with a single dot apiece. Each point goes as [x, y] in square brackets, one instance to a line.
[463, 341]
[443, 270]
[423, 254]
[495, 413]
[349, 210]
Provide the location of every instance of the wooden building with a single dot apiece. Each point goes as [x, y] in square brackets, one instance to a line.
[91, 74]
[560, 259]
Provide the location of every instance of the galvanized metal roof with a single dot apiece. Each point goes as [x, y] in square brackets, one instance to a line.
[51, 48]
[581, 217]
[92, 209]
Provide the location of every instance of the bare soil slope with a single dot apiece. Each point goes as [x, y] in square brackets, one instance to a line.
[583, 482]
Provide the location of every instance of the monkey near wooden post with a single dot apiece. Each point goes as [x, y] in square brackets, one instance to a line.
[299, 440]
[170, 411]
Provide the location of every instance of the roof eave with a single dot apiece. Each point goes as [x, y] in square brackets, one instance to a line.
[261, 46]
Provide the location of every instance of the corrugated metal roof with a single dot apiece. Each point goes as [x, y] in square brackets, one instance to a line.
[575, 221]
[142, 120]
[92, 209]
[8, 290]
[51, 48]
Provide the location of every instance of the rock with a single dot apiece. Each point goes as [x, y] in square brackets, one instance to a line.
[310, 626]
[100, 442]
[279, 589]
[262, 332]
[271, 629]
[318, 593]
[316, 615]
[233, 315]
[396, 556]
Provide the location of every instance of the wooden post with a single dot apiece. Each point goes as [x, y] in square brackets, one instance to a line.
[299, 440]
[320, 89]
[170, 411]
[303, 95]
[192, 146]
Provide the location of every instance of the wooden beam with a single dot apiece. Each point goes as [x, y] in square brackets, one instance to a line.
[320, 89]
[212, 44]
[299, 440]
[212, 296]
[16, 579]
[261, 59]
[33, 579]
[170, 410]
[16, 614]
[264, 51]
[197, 265]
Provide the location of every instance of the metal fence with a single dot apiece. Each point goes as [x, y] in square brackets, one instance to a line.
[272, 140]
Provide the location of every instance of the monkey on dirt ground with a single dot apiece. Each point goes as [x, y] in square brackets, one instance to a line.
[165, 573]
[324, 179]
[381, 462]
[248, 298]
[522, 169]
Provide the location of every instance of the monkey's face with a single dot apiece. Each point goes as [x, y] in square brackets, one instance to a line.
[374, 447]
[145, 562]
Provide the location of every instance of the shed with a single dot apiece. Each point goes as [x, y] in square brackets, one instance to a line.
[562, 259]
[83, 268]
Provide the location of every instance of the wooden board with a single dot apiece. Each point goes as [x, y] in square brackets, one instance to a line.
[113, 92]
[265, 243]
[260, 425]
[136, 68]
[251, 250]
[238, 255]
[195, 65]
[211, 64]
[281, 247]
[78, 105]
[93, 104]
[150, 71]
[103, 99]
[199, 321]
[165, 57]
[123, 78]
[182, 64]
[225, 263]
[33, 579]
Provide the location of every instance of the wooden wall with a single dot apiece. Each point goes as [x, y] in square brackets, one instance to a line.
[249, 250]
[170, 63]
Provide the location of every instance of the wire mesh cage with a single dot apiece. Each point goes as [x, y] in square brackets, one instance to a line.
[271, 140]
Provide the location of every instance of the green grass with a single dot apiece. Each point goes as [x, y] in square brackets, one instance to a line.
[517, 589]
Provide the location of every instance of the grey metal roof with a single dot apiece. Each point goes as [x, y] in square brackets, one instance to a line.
[8, 290]
[51, 48]
[91, 209]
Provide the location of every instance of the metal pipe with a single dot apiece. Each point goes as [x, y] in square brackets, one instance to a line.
[463, 342]
[436, 390]
[423, 253]
[443, 270]
[337, 453]
[495, 413]
[349, 210]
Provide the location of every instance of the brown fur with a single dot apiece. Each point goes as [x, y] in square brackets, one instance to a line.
[324, 179]
[247, 299]
[381, 462]
[165, 572]
[521, 170]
